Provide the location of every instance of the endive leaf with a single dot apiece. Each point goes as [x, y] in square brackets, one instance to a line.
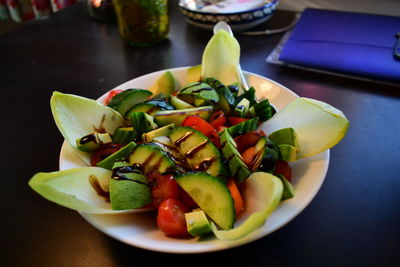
[78, 116]
[221, 58]
[72, 188]
[262, 194]
[319, 126]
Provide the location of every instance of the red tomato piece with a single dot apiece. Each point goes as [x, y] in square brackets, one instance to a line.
[111, 95]
[247, 140]
[237, 197]
[248, 156]
[186, 199]
[235, 120]
[202, 126]
[282, 167]
[103, 152]
[217, 119]
[163, 186]
[171, 218]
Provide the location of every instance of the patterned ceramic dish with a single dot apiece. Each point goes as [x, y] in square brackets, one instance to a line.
[239, 21]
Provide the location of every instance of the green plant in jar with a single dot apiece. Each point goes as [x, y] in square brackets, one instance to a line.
[142, 22]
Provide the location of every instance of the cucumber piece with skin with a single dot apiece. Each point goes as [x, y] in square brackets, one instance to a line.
[123, 135]
[92, 142]
[200, 153]
[144, 107]
[166, 117]
[238, 169]
[226, 98]
[119, 155]
[264, 110]
[198, 94]
[179, 103]
[242, 108]
[142, 123]
[212, 195]
[125, 100]
[243, 127]
[152, 159]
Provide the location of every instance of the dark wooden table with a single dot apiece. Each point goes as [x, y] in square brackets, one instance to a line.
[353, 221]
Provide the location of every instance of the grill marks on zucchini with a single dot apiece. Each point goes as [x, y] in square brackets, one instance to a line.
[200, 153]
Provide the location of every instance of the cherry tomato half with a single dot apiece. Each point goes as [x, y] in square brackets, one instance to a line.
[202, 126]
[111, 95]
[171, 218]
[163, 186]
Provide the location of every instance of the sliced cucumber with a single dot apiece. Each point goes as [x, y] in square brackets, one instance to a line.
[119, 155]
[198, 94]
[177, 116]
[243, 127]
[144, 107]
[226, 98]
[92, 142]
[242, 108]
[200, 153]
[262, 194]
[152, 159]
[179, 103]
[238, 169]
[142, 123]
[264, 110]
[212, 196]
[125, 100]
[123, 135]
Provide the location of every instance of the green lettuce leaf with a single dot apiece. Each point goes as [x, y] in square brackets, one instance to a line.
[78, 116]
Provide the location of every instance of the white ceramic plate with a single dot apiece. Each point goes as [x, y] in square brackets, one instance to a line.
[141, 230]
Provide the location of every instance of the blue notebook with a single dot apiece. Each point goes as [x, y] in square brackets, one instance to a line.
[347, 43]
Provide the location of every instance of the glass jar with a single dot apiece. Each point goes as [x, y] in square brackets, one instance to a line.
[142, 22]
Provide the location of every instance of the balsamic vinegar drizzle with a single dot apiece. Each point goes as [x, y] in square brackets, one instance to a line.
[207, 162]
[118, 173]
[194, 150]
[94, 182]
[88, 138]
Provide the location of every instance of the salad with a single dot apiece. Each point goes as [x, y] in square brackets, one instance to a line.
[192, 153]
